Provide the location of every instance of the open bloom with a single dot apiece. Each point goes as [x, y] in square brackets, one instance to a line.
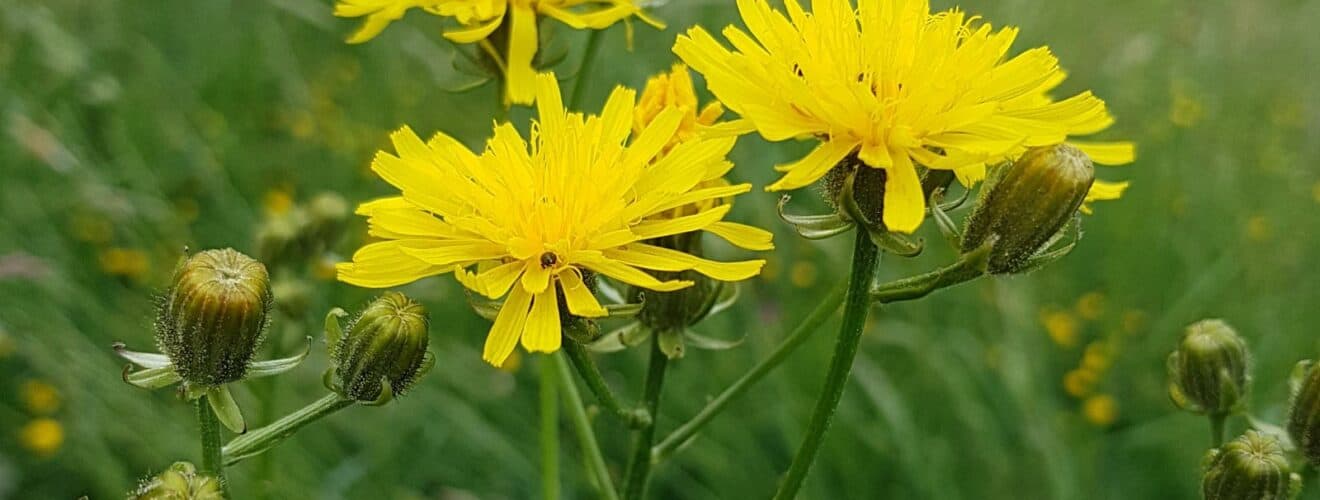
[531, 220]
[897, 86]
[479, 19]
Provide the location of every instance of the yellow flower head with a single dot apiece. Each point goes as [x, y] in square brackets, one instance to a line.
[527, 220]
[675, 90]
[478, 19]
[895, 85]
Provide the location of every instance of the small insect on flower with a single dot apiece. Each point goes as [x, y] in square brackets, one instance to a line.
[896, 86]
[535, 221]
[480, 19]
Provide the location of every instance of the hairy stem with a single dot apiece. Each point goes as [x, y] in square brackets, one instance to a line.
[577, 414]
[799, 335]
[590, 374]
[549, 430]
[209, 426]
[639, 465]
[856, 307]
[257, 441]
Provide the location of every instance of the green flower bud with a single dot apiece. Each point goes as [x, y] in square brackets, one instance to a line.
[1251, 467]
[211, 321]
[868, 191]
[1304, 412]
[180, 482]
[386, 342]
[1025, 204]
[675, 311]
[327, 214]
[1209, 372]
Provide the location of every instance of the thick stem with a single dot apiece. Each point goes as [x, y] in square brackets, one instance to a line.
[921, 285]
[209, 426]
[584, 68]
[1217, 429]
[577, 414]
[590, 374]
[257, 441]
[549, 430]
[856, 307]
[795, 339]
[639, 464]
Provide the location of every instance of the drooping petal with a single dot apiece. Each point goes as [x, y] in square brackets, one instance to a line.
[523, 42]
[814, 165]
[905, 205]
[542, 333]
[742, 235]
[579, 298]
[508, 327]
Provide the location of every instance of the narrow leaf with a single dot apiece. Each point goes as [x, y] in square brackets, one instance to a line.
[278, 366]
[621, 338]
[700, 341]
[151, 378]
[143, 359]
[226, 409]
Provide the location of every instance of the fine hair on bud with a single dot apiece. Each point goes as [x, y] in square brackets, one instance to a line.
[1026, 203]
[1304, 411]
[211, 320]
[1209, 372]
[1251, 467]
[179, 482]
[868, 189]
[387, 341]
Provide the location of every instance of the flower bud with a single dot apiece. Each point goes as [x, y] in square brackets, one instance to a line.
[386, 342]
[1208, 373]
[1025, 204]
[180, 482]
[868, 191]
[1304, 412]
[1251, 467]
[211, 321]
[679, 309]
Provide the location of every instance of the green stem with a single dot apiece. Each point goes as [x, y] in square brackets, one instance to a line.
[799, 335]
[210, 429]
[856, 307]
[549, 431]
[577, 414]
[916, 287]
[590, 374]
[584, 68]
[639, 465]
[1217, 429]
[257, 441]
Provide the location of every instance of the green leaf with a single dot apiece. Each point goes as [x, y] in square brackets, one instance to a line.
[699, 341]
[621, 338]
[278, 366]
[333, 331]
[623, 310]
[728, 295]
[814, 227]
[895, 243]
[226, 409]
[143, 359]
[151, 378]
[671, 343]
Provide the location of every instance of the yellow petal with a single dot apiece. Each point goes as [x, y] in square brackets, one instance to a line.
[542, 333]
[1108, 153]
[679, 225]
[508, 327]
[578, 296]
[665, 259]
[473, 34]
[741, 235]
[813, 166]
[522, 48]
[385, 264]
[626, 273]
[494, 282]
[905, 206]
[535, 278]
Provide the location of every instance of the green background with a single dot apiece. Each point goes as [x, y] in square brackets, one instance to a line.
[152, 126]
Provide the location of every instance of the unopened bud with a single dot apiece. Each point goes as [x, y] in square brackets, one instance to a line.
[1304, 412]
[675, 311]
[1025, 204]
[386, 342]
[180, 482]
[867, 195]
[1251, 467]
[211, 321]
[1209, 371]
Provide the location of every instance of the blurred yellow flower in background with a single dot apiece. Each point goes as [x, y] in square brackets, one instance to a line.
[40, 397]
[895, 85]
[479, 19]
[126, 262]
[277, 201]
[527, 221]
[1315, 191]
[803, 274]
[43, 436]
[1090, 306]
[1100, 410]
[1061, 326]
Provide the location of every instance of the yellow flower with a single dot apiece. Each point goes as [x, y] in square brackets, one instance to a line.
[1078, 382]
[675, 90]
[1091, 305]
[42, 436]
[127, 262]
[478, 19]
[40, 397]
[521, 220]
[895, 85]
[1101, 410]
[1061, 326]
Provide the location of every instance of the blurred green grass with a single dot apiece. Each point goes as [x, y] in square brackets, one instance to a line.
[129, 131]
